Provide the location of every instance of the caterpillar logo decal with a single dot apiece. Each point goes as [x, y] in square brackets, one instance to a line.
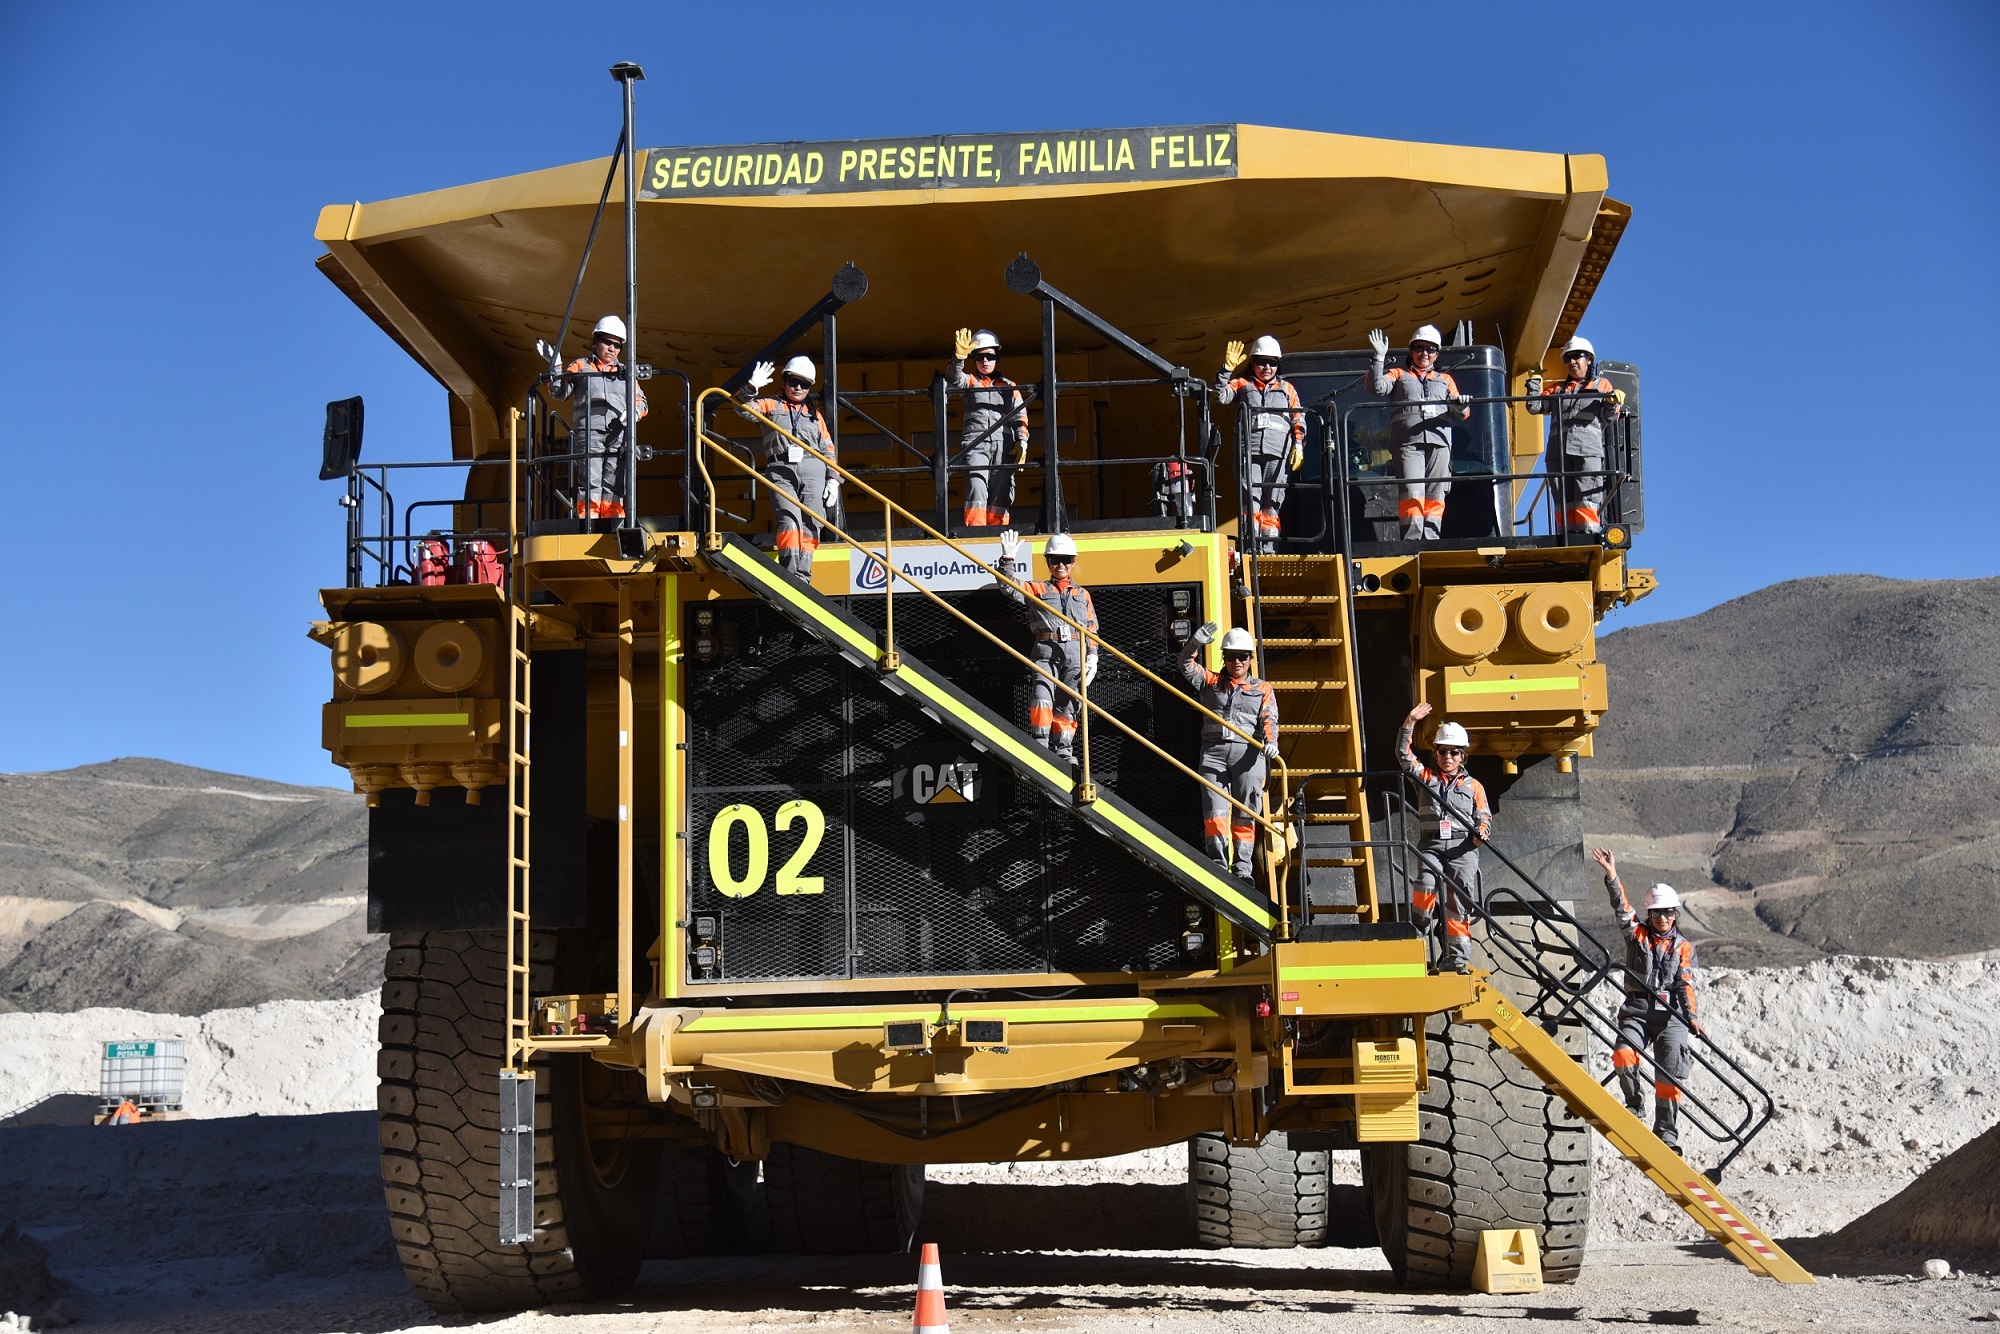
[940, 781]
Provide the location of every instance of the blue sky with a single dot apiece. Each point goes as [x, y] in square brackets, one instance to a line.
[1802, 283]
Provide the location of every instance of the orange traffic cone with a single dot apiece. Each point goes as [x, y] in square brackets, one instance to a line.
[930, 1294]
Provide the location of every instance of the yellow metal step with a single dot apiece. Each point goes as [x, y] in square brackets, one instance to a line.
[1306, 685]
[1510, 1029]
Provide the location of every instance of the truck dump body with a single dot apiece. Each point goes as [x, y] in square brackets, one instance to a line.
[786, 877]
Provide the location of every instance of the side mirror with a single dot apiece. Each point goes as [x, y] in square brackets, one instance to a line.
[340, 447]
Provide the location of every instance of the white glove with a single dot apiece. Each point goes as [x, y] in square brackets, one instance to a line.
[1463, 400]
[1010, 549]
[831, 497]
[1534, 385]
[1380, 342]
[761, 373]
[1271, 749]
[1205, 632]
[1090, 669]
[549, 355]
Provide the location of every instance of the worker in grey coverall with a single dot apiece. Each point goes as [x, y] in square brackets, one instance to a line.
[1275, 428]
[1061, 649]
[600, 427]
[1227, 760]
[1456, 818]
[1421, 399]
[1582, 404]
[1660, 1006]
[994, 431]
[795, 531]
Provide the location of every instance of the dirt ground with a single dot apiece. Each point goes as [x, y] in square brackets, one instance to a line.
[275, 1225]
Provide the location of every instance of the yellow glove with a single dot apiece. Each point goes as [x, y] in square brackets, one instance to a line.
[1232, 356]
[1021, 451]
[1618, 397]
[1298, 455]
[961, 344]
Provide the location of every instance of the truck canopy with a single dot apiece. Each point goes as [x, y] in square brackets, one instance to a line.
[1184, 236]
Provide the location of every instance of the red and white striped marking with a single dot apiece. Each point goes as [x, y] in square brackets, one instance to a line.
[1729, 1220]
[930, 1294]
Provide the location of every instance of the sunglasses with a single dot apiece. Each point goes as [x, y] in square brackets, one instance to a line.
[1061, 560]
[1451, 750]
[794, 382]
[1236, 657]
[986, 356]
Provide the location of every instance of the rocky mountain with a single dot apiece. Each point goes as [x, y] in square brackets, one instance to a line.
[156, 886]
[1819, 761]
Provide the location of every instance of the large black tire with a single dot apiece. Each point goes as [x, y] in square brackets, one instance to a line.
[1496, 1150]
[821, 1204]
[703, 1205]
[443, 1043]
[1270, 1196]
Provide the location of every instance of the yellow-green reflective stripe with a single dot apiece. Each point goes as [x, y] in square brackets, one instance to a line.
[1082, 1014]
[408, 719]
[1329, 972]
[768, 577]
[1514, 687]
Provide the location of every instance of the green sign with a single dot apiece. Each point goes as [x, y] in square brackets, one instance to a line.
[941, 162]
[128, 1051]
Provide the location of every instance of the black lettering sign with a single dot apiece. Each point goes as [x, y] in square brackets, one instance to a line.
[941, 162]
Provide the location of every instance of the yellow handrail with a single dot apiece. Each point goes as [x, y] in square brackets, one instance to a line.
[1275, 831]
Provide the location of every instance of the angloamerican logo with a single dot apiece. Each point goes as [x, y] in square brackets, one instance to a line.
[938, 568]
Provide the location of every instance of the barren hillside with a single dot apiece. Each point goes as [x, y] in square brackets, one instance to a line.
[1818, 760]
[155, 886]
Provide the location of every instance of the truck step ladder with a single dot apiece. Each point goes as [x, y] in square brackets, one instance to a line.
[1106, 812]
[1701, 1199]
[1297, 606]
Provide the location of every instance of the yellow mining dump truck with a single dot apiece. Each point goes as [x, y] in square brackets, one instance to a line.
[727, 885]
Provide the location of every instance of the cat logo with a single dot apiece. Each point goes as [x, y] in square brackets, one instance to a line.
[936, 781]
[949, 784]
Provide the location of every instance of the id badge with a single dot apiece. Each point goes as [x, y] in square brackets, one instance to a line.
[1062, 634]
[793, 453]
[1444, 826]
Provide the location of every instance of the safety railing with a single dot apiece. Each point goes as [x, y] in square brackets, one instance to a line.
[721, 448]
[1541, 940]
[1182, 482]
[563, 442]
[1537, 502]
[394, 551]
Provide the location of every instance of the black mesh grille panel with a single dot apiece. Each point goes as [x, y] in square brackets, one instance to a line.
[1016, 886]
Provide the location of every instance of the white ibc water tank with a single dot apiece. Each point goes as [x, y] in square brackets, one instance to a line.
[150, 1071]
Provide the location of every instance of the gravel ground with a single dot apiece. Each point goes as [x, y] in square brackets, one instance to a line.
[264, 1212]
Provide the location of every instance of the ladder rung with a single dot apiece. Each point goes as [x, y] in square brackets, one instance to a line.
[1308, 685]
[1346, 817]
[1301, 729]
[1299, 599]
[1336, 861]
[1335, 909]
[1293, 642]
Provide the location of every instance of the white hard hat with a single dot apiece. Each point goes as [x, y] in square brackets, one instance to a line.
[803, 368]
[1062, 544]
[1662, 895]
[1428, 334]
[1238, 640]
[611, 325]
[1450, 734]
[1266, 346]
[1580, 345]
[985, 338]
